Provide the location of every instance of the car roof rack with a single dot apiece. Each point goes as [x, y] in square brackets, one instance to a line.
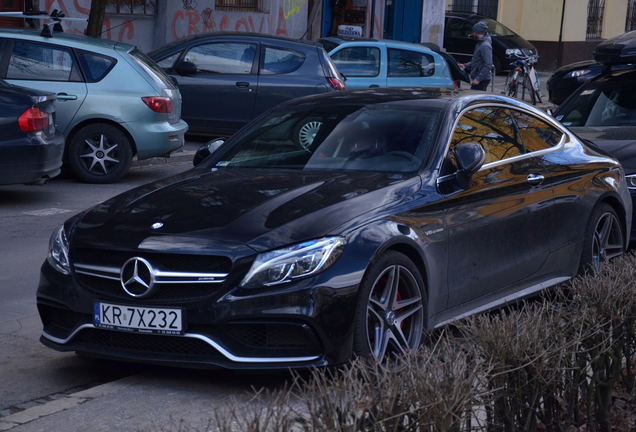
[55, 15]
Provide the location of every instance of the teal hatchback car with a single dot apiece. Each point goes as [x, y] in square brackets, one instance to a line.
[368, 63]
[113, 102]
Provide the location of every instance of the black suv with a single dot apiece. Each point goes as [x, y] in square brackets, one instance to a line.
[507, 46]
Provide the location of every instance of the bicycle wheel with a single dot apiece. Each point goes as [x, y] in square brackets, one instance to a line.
[537, 87]
[512, 83]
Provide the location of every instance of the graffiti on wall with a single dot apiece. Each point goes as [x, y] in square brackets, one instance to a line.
[189, 22]
[292, 7]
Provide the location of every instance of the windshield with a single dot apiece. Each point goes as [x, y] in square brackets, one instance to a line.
[496, 28]
[601, 104]
[390, 137]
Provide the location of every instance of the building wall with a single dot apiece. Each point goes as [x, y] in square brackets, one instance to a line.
[178, 19]
[433, 21]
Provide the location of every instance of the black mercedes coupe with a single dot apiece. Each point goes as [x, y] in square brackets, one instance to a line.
[408, 209]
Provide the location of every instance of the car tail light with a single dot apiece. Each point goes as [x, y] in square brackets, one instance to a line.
[337, 84]
[33, 120]
[455, 84]
[158, 104]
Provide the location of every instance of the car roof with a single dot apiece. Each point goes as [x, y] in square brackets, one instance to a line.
[456, 99]
[390, 43]
[347, 39]
[67, 39]
[467, 15]
[247, 35]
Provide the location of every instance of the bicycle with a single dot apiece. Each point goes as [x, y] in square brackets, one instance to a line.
[522, 74]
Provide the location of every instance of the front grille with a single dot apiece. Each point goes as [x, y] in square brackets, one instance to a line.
[167, 262]
[179, 277]
[272, 335]
[156, 344]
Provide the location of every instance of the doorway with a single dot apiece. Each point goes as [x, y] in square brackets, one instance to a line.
[403, 20]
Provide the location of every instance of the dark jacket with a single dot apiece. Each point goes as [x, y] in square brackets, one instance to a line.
[480, 66]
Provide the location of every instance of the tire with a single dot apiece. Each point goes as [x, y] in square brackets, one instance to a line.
[100, 153]
[391, 311]
[304, 133]
[604, 239]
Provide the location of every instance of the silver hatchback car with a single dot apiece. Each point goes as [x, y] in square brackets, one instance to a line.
[113, 102]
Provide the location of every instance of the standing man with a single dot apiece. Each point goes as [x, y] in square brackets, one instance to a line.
[480, 66]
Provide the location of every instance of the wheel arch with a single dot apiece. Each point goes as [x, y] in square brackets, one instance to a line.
[91, 121]
[615, 203]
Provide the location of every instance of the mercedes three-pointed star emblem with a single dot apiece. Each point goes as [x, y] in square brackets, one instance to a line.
[138, 277]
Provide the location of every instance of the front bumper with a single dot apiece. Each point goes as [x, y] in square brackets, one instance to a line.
[30, 159]
[298, 325]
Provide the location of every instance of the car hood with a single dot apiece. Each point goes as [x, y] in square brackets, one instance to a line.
[617, 141]
[586, 64]
[262, 209]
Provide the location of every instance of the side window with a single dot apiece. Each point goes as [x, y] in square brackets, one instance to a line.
[493, 129]
[168, 62]
[30, 61]
[223, 58]
[95, 66]
[358, 61]
[280, 61]
[536, 134]
[403, 63]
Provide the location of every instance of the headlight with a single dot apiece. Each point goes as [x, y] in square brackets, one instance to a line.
[631, 181]
[58, 251]
[577, 73]
[514, 51]
[293, 262]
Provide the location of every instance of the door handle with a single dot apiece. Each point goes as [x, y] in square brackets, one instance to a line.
[374, 86]
[535, 179]
[242, 84]
[64, 96]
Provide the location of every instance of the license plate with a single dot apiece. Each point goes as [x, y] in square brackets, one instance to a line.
[136, 319]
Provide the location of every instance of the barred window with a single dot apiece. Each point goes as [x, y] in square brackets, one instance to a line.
[132, 7]
[237, 5]
[483, 7]
[595, 10]
[630, 22]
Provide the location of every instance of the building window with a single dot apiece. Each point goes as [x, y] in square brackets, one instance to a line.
[630, 22]
[595, 19]
[132, 7]
[487, 8]
[237, 5]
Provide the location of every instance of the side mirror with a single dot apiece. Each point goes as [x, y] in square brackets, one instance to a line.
[470, 157]
[206, 150]
[186, 68]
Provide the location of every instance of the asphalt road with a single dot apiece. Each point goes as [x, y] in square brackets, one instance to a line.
[77, 394]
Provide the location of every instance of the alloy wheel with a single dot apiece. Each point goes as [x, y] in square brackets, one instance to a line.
[100, 154]
[395, 314]
[608, 240]
[307, 133]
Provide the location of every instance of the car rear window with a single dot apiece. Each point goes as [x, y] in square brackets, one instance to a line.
[280, 61]
[152, 69]
[95, 66]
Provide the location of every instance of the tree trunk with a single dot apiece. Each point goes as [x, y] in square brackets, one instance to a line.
[96, 18]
